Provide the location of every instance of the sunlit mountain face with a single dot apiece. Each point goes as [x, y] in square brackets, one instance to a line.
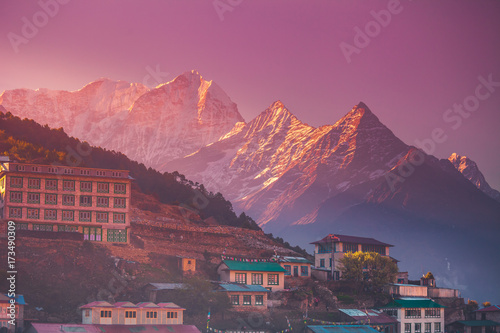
[149, 125]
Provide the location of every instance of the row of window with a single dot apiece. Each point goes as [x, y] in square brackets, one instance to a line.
[133, 314]
[67, 199]
[67, 171]
[304, 270]
[417, 313]
[66, 215]
[67, 185]
[89, 233]
[257, 278]
[247, 300]
[351, 247]
[417, 327]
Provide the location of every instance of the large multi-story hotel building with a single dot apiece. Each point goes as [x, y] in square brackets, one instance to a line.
[94, 202]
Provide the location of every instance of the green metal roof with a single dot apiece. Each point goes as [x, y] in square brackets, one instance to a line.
[478, 323]
[253, 266]
[413, 303]
[341, 329]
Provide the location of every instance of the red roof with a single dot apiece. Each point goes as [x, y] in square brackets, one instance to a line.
[350, 239]
[491, 308]
[97, 304]
[91, 328]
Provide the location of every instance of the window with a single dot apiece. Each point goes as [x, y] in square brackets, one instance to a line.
[68, 185]
[36, 168]
[69, 171]
[171, 315]
[101, 217]
[408, 328]
[418, 327]
[120, 188]
[51, 184]
[413, 313]
[34, 198]
[16, 196]
[288, 270]
[257, 278]
[247, 300]
[68, 200]
[130, 314]
[85, 216]
[50, 199]
[20, 168]
[34, 183]
[102, 187]
[43, 227]
[322, 263]
[33, 213]
[119, 203]
[50, 214]
[102, 202]
[105, 314]
[87, 312]
[240, 278]
[52, 170]
[68, 215]
[151, 314]
[259, 300]
[235, 299]
[16, 182]
[85, 172]
[116, 174]
[273, 279]
[86, 186]
[432, 313]
[15, 212]
[373, 248]
[118, 218]
[93, 234]
[117, 235]
[21, 226]
[67, 228]
[349, 247]
[101, 173]
[85, 201]
[304, 271]
[437, 327]
[392, 312]
[427, 327]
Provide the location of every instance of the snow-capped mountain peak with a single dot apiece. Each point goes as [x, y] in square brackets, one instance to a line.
[470, 170]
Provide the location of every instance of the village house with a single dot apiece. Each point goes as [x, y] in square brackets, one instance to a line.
[187, 264]
[376, 319]
[127, 313]
[5, 312]
[295, 266]
[244, 297]
[473, 326]
[491, 312]
[269, 275]
[94, 202]
[416, 314]
[330, 249]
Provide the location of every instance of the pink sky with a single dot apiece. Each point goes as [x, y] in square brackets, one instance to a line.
[426, 59]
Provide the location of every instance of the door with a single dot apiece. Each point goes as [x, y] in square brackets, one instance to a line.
[295, 270]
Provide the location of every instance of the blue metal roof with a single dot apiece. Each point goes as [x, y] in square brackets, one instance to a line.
[19, 299]
[243, 287]
[342, 329]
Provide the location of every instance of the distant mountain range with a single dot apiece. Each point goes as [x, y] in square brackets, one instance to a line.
[295, 180]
